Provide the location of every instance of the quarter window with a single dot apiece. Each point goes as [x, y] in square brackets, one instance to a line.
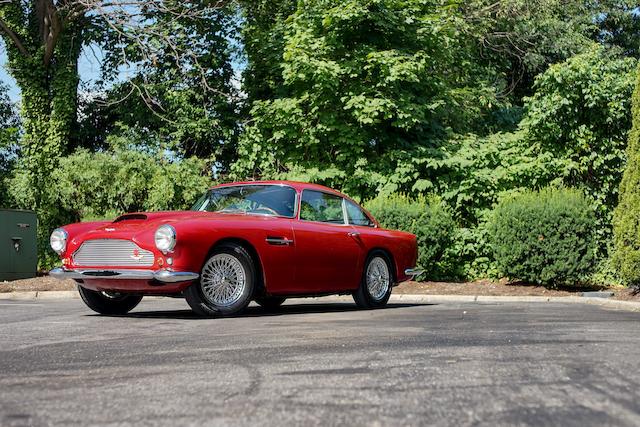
[357, 216]
[322, 207]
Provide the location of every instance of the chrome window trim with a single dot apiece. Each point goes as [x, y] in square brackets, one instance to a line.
[295, 200]
[346, 214]
[344, 218]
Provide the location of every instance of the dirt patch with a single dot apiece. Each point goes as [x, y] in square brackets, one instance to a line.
[43, 283]
[628, 294]
[505, 288]
[480, 287]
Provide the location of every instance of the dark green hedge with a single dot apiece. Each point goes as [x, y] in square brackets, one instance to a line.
[546, 237]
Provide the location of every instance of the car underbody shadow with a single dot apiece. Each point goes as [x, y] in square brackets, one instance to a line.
[257, 311]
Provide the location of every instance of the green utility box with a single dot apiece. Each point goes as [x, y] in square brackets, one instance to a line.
[18, 244]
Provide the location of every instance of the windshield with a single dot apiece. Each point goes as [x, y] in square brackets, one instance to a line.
[275, 200]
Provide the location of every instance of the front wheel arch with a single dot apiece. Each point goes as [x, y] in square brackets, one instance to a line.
[260, 285]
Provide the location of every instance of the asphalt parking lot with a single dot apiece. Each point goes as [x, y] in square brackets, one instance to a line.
[320, 363]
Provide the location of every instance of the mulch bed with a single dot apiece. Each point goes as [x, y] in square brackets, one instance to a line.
[506, 288]
[42, 283]
[480, 287]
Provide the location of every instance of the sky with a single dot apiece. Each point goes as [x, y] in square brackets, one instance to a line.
[88, 66]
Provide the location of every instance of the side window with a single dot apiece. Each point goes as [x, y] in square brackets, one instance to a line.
[357, 216]
[322, 207]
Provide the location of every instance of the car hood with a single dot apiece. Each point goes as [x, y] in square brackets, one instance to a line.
[136, 224]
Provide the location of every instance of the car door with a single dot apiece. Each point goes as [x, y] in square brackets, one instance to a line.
[328, 251]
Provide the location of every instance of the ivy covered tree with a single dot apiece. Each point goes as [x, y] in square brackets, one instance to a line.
[626, 225]
[44, 39]
[9, 143]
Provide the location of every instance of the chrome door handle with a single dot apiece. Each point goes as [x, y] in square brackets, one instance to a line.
[279, 241]
[353, 234]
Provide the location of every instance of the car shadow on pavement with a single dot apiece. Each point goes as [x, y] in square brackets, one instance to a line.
[256, 311]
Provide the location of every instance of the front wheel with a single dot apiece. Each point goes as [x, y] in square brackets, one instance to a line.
[110, 303]
[226, 282]
[376, 284]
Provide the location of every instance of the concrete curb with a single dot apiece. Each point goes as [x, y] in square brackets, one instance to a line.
[623, 305]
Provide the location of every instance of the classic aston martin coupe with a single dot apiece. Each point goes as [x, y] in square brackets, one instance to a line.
[263, 241]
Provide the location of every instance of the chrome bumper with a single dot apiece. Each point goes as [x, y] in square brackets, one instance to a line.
[413, 272]
[166, 276]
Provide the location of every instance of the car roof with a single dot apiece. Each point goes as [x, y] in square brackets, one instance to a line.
[298, 186]
[295, 184]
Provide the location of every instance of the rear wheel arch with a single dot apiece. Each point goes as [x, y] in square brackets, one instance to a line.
[387, 253]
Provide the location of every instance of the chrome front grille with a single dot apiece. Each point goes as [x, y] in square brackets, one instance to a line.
[112, 252]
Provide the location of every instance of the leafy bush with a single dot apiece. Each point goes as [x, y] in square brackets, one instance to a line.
[580, 114]
[105, 184]
[626, 225]
[545, 237]
[432, 223]
[126, 181]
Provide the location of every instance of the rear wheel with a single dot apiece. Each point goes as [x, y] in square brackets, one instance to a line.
[270, 303]
[226, 282]
[110, 303]
[376, 284]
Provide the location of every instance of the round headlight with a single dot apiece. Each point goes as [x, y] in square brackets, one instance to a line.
[165, 238]
[58, 240]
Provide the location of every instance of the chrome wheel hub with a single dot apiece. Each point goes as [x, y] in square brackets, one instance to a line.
[223, 280]
[378, 278]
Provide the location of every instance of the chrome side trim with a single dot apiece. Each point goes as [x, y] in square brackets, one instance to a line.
[413, 272]
[165, 276]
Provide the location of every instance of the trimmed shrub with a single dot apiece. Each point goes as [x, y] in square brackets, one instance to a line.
[432, 223]
[545, 237]
[626, 220]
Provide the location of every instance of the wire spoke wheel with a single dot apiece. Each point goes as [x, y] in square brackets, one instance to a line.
[223, 280]
[378, 278]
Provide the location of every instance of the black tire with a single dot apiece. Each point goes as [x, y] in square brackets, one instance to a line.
[270, 303]
[109, 303]
[363, 296]
[203, 303]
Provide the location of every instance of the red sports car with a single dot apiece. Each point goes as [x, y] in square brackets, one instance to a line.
[262, 241]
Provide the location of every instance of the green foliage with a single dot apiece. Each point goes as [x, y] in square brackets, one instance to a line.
[521, 38]
[545, 237]
[9, 144]
[626, 225]
[366, 85]
[477, 171]
[430, 220]
[191, 111]
[579, 116]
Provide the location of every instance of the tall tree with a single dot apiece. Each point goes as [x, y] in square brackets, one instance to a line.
[626, 224]
[190, 111]
[521, 38]
[9, 139]
[368, 87]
